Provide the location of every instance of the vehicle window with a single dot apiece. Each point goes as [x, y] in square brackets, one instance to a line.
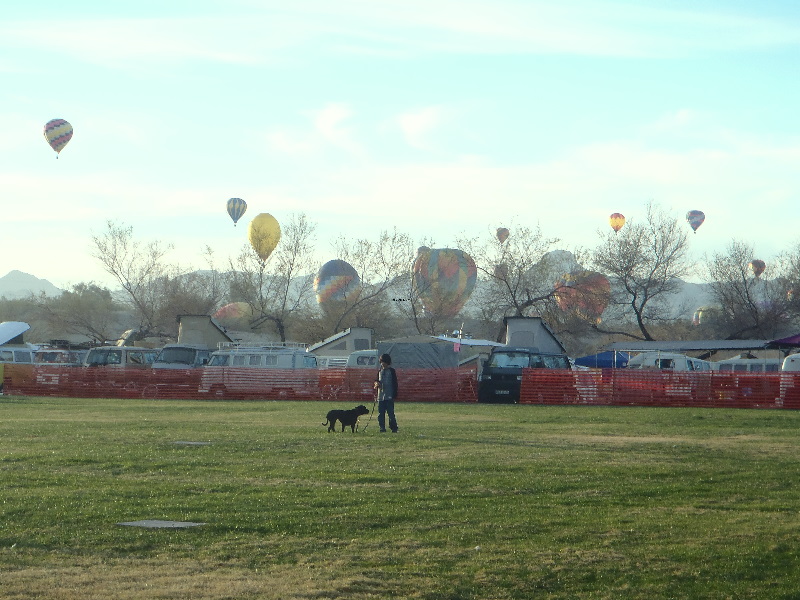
[362, 360]
[309, 361]
[135, 358]
[725, 367]
[255, 360]
[6, 356]
[219, 360]
[773, 368]
[665, 363]
[113, 358]
[756, 368]
[537, 362]
[556, 362]
[510, 360]
[184, 356]
[270, 360]
[740, 368]
[23, 356]
[239, 360]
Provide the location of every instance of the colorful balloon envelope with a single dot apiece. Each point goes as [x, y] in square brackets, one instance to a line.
[337, 285]
[757, 267]
[443, 279]
[502, 234]
[234, 310]
[236, 208]
[695, 218]
[264, 233]
[706, 315]
[616, 220]
[586, 293]
[58, 133]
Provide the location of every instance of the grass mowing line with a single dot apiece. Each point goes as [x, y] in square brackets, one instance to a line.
[468, 501]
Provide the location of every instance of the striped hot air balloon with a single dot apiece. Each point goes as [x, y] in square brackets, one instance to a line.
[58, 133]
[236, 208]
[336, 285]
[695, 218]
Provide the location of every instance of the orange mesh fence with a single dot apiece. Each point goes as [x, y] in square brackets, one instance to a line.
[661, 388]
[354, 385]
[338, 384]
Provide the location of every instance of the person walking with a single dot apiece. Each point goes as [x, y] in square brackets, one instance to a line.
[386, 384]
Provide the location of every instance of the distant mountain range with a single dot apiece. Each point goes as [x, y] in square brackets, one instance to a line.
[16, 285]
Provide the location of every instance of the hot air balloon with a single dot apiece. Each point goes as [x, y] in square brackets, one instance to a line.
[757, 267]
[234, 310]
[57, 132]
[584, 292]
[443, 278]
[706, 315]
[236, 208]
[617, 220]
[264, 234]
[502, 234]
[336, 285]
[695, 218]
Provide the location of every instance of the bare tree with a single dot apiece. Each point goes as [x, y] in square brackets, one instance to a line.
[156, 291]
[516, 276]
[380, 265]
[644, 262]
[86, 309]
[749, 304]
[279, 286]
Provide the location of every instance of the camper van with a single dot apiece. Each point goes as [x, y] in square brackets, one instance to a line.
[182, 356]
[501, 376]
[669, 361]
[263, 372]
[791, 363]
[364, 359]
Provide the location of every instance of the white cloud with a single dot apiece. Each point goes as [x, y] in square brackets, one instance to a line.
[259, 32]
[330, 123]
[416, 125]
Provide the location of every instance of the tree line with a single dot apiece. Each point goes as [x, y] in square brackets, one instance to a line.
[645, 264]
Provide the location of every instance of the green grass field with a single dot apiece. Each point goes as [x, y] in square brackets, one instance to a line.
[466, 502]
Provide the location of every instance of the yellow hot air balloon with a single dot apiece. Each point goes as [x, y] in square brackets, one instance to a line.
[616, 220]
[264, 234]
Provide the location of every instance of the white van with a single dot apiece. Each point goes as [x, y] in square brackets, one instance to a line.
[261, 372]
[747, 365]
[364, 359]
[791, 363]
[18, 353]
[669, 361]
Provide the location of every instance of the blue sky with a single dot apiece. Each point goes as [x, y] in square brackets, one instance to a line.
[438, 117]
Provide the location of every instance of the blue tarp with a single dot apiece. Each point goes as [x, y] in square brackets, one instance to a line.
[604, 360]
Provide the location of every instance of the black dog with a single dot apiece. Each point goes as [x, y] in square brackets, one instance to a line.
[347, 417]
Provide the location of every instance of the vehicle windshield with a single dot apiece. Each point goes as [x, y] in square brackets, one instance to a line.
[184, 356]
[525, 360]
[505, 360]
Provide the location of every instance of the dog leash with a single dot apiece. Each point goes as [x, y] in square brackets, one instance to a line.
[374, 402]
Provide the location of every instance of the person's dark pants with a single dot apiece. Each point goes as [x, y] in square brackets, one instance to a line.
[386, 406]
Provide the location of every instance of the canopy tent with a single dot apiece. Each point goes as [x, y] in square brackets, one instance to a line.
[604, 360]
[788, 342]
